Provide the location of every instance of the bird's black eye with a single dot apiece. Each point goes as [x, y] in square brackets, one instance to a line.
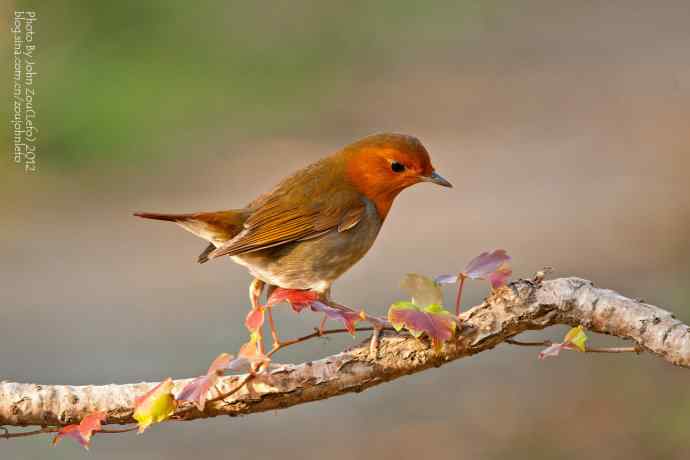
[397, 167]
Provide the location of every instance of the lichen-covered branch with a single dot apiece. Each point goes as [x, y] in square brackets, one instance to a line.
[522, 305]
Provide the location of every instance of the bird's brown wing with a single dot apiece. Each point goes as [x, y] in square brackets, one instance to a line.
[304, 206]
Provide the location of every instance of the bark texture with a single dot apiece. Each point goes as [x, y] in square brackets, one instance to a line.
[522, 305]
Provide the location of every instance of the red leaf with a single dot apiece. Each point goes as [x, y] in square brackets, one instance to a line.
[249, 359]
[71, 431]
[499, 277]
[197, 390]
[219, 364]
[433, 320]
[83, 431]
[551, 351]
[255, 319]
[485, 264]
[299, 299]
[348, 318]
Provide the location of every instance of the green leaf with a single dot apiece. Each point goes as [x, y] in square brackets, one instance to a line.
[423, 290]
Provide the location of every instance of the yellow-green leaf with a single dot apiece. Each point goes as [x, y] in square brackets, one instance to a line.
[577, 337]
[156, 406]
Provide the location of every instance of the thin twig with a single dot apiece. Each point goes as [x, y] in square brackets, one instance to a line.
[8, 435]
[541, 343]
[317, 333]
[635, 349]
[44, 430]
[548, 343]
[118, 430]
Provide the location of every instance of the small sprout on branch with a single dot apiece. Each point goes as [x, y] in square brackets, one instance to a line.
[491, 266]
[425, 313]
[574, 340]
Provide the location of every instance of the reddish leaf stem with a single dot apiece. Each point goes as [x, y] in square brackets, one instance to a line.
[458, 297]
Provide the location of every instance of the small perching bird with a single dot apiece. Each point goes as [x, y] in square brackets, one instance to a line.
[317, 223]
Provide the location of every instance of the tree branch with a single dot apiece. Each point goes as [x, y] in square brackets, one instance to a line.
[522, 305]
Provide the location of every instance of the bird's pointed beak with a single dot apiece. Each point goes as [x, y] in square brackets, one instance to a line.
[436, 178]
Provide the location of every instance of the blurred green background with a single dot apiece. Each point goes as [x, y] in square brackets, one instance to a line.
[565, 127]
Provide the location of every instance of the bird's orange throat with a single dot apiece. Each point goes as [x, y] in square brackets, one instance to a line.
[368, 182]
[383, 202]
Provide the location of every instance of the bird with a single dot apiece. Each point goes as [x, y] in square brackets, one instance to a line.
[318, 222]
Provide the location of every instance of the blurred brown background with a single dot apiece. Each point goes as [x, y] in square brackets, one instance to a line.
[565, 127]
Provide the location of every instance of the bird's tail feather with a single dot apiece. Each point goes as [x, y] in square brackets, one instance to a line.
[215, 227]
[203, 257]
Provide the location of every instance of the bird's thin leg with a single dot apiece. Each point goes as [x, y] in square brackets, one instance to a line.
[269, 312]
[255, 290]
[271, 324]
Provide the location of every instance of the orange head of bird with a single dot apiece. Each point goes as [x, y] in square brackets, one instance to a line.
[382, 165]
